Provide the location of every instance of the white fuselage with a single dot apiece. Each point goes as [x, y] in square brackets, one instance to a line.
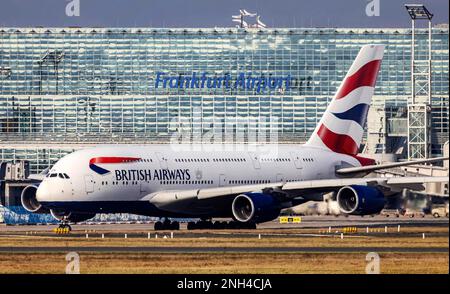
[157, 168]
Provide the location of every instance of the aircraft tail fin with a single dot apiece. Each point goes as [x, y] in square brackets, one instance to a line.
[341, 127]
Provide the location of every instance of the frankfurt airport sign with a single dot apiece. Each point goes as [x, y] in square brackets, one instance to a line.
[203, 80]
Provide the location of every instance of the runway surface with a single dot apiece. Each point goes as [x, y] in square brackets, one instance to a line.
[307, 222]
[160, 249]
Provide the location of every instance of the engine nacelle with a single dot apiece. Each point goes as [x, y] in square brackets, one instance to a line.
[70, 216]
[360, 200]
[255, 207]
[29, 201]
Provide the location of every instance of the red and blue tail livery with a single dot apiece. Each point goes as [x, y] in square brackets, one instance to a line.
[93, 162]
[342, 126]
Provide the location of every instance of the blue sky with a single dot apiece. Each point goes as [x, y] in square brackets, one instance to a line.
[211, 13]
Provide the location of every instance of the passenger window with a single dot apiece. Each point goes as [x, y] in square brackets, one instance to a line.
[66, 176]
[53, 175]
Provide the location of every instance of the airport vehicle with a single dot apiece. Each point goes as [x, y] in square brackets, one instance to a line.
[393, 212]
[440, 211]
[414, 213]
[250, 184]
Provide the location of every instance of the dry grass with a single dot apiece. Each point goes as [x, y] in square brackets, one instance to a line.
[325, 241]
[129, 263]
[146, 262]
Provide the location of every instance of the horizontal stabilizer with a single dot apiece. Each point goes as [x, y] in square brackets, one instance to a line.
[370, 168]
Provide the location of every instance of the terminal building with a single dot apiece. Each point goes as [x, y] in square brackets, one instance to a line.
[63, 89]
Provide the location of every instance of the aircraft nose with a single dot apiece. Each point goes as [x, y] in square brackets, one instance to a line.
[43, 192]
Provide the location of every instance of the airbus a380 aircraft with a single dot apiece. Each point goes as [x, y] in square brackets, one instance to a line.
[250, 187]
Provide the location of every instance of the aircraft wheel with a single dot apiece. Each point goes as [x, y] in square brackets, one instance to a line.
[203, 225]
[65, 226]
[191, 226]
[251, 226]
[158, 226]
[217, 225]
[175, 225]
[232, 225]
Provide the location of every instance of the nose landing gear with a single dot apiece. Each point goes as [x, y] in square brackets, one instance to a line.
[63, 227]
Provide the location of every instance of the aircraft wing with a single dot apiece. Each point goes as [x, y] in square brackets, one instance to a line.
[391, 183]
[293, 189]
[370, 168]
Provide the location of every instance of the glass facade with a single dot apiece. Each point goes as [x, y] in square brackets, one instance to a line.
[87, 86]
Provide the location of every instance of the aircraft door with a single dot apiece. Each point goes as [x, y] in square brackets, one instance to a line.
[222, 180]
[280, 178]
[89, 183]
[162, 160]
[144, 188]
[295, 156]
[255, 160]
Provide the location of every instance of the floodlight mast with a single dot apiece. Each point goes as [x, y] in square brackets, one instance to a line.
[419, 137]
[419, 12]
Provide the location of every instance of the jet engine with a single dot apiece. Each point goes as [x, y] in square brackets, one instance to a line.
[70, 216]
[255, 207]
[29, 201]
[360, 200]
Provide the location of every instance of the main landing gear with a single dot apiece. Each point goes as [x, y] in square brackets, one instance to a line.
[167, 225]
[220, 225]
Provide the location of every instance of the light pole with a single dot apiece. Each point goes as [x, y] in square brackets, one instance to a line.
[419, 138]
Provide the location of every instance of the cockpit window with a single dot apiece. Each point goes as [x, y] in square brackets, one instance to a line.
[59, 175]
